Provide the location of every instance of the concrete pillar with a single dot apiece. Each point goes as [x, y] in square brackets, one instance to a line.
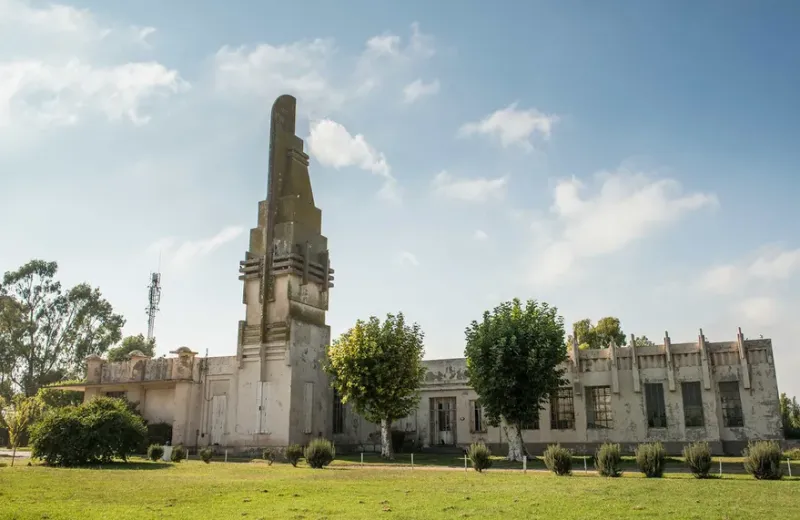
[576, 368]
[182, 367]
[743, 359]
[180, 423]
[614, 368]
[637, 385]
[670, 367]
[94, 369]
[704, 361]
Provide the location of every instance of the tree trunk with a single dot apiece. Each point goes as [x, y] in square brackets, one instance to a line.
[386, 440]
[13, 454]
[516, 448]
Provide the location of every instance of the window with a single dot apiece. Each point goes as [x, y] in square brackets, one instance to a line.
[731, 401]
[654, 402]
[116, 395]
[533, 425]
[598, 407]
[692, 404]
[338, 413]
[562, 410]
[478, 425]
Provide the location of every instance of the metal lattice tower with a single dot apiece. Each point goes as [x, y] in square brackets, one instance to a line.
[153, 298]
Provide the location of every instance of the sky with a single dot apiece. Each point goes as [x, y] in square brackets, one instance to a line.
[633, 159]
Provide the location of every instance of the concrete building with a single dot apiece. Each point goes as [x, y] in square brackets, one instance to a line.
[273, 392]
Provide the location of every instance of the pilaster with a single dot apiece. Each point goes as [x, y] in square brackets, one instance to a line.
[670, 367]
[743, 359]
[704, 364]
[637, 385]
[614, 368]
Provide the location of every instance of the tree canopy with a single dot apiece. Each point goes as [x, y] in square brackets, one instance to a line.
[606, 330]
[378, 367]
[514, 363]
[129, 344]
[46, 331]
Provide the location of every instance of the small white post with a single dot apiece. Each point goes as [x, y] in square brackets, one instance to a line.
[720, 467]
[789, 463]
[585, 468]
[524, 464]
[412, 461]
[465, 462]
[362, 458]
[226, 455]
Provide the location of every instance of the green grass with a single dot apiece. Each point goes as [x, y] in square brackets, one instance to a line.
[189, 490]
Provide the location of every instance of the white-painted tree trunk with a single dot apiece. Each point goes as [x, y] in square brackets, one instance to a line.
[516, 450]
[386, 440]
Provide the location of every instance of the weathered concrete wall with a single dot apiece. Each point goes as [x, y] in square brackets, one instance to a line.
[310, 413]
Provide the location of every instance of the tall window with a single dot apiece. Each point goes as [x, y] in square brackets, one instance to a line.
[656, 408]
[338, 413]
[478, 425]
[732, 415]
[598, 407]
[117, 395]
[533, 425]
[562, 410]
[692, 404]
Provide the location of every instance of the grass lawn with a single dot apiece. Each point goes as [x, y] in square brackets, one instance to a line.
[255, 490]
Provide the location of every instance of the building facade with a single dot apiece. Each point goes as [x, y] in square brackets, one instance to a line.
[274, 392]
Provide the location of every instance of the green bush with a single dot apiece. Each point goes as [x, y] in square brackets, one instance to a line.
[793, 454]
[269, 455]
[762, 459]
[294, 453]
[398, 439]
[206, 454]
[698, 458]
[651, 458]
[608, 460]
[480, 456]
[558, 459]
[319, 453]
[155, 452]
[96, 431]
[178, 453]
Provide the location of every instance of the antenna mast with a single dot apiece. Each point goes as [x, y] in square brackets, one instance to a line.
[153, 298]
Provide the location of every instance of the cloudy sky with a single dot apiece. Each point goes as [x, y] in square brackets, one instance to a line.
[635, 159]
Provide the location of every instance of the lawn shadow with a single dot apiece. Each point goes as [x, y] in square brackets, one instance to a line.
[128, 466]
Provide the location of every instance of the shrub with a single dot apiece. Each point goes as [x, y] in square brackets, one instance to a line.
[762, 459]
[178, 453]
[319, 453]
[480, 456]
[269, 455]
[558, 459]
[155, 452]
[398, 439]
[793, 454]
[96, 431]
[698, 458]
[651, 458]
[608, 460]
[294, 453]
[206, 454]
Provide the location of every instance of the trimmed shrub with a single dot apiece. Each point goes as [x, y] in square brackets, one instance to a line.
[762, 459]
[698, 458]
[178, 453]
[608, 460]
[398, 439]
[207, 454]
[294, 453]
[558, 459]
[319, 453]
[96, 431]
[155, 452]
[793, 454]
[480, 456]
[269, 455]
[651, 458]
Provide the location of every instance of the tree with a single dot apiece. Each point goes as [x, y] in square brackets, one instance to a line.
[129, 344]
[514, 363]
[642, 341]
[608, 329]
[47, 331]
[378, 367]
[790, 416]
[16, 418]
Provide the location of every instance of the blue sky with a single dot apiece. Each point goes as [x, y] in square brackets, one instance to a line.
[636, 159]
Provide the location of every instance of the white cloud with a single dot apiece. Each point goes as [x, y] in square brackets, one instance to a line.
[512, 127]
[628, 206]
[407, 258]
[418, 89]
[769, 264]
[480, 189]
[722, 279]
[759, 311]
[332, 145]
[181, 254]
[480, 235]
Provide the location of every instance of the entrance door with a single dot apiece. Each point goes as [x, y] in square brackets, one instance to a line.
[443, 421]
[219, 405]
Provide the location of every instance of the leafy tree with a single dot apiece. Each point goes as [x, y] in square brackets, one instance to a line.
[583, 331]
[129, 344]
[378, 367]
[514, 363]
[47, 330]
[790, 415]
[598, 336]
[16, 418]
[642, 341]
